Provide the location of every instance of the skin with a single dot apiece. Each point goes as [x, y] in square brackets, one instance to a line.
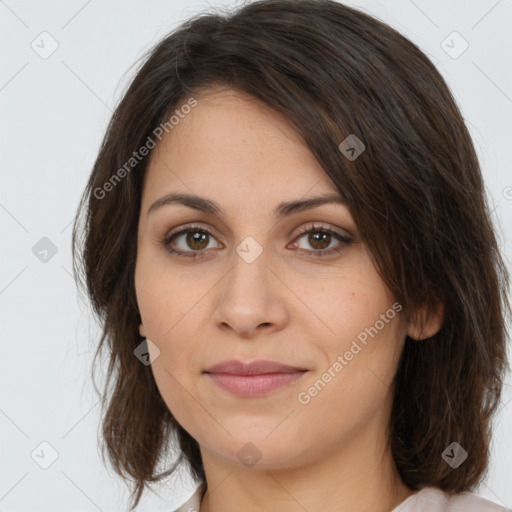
[287, 305]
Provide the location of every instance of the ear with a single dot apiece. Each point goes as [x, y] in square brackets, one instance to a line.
[141, 331]
[424, 326]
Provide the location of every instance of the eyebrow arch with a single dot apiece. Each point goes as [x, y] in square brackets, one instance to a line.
[282, 210]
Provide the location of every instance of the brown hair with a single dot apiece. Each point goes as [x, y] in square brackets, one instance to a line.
[415, 193]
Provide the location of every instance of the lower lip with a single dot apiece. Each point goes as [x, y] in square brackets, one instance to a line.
[249, 385]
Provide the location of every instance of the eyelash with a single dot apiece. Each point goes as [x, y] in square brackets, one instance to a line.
[312, 228]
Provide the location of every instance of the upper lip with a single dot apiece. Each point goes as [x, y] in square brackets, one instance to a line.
[255, 367]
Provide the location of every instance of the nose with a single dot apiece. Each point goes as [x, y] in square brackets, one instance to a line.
[251, 298]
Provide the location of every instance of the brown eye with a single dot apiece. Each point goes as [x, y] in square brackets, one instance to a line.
[189, 242]
[195, 239]
[320, 239]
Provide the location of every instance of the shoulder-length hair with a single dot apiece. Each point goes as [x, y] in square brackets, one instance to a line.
[416, 194]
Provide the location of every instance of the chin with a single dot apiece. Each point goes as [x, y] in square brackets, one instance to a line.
[261, 447]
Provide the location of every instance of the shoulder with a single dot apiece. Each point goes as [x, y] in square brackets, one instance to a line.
[193, 503]
[432, 499]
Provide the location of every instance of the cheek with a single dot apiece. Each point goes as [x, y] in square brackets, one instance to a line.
[176, 369]
[171, 381]
[361, 347]
[354, 387]
[164, 296]
[345, 307]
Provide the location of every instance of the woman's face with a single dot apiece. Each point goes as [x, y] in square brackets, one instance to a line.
[261, 285]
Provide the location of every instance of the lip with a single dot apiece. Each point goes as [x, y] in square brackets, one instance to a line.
[256, 377]
[255, 367]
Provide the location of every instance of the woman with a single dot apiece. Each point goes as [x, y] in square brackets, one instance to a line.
[287, 240]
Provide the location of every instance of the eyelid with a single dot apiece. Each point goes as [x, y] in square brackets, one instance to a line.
[324, 226]
[343, 240]
[190, 226]
[303, 229]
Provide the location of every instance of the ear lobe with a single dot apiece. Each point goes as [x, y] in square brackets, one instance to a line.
[424, 326]
[141, 331]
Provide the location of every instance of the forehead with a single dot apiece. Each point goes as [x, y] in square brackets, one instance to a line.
[233, 146]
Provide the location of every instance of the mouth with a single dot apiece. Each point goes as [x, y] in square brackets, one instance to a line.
[253, 378]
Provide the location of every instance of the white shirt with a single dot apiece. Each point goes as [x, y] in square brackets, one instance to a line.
[428, 499]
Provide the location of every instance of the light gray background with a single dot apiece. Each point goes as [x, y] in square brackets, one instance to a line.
[53, 115]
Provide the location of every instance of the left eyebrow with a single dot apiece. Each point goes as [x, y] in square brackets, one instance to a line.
[283, 209]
